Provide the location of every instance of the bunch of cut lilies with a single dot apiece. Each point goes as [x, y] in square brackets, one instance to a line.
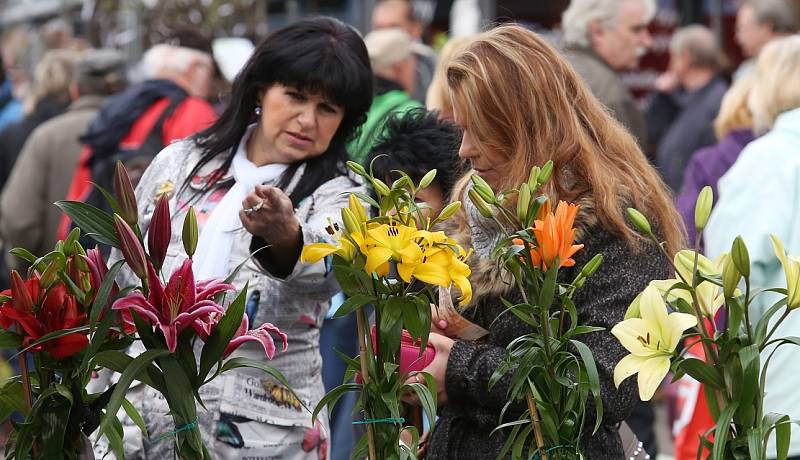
[74, 319]
[730, 355]
[390, 263]
[552, 372]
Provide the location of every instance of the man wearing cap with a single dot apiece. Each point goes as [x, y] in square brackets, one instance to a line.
[401, 14]
[391, 53]
[44, 169]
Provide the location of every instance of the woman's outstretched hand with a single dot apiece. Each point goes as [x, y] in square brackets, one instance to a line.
[268, 212]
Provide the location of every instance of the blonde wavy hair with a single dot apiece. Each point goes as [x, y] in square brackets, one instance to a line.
[518, 96]
[438, 95]
[733, 111]
[777, 82]
[52, 77]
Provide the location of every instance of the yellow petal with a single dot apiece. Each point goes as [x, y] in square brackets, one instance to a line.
[677, 323]
[654, 311]
[466, 289]
[651, 373]
[630, 332]
[626, 367]
[376, 257]
[313, 253]
[432, 274]
[406, 270]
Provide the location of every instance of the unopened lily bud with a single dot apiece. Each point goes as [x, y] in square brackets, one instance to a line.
[634, 309]
[131, 248]
[126, 199]
[50, 274]
[399, 183]
[483, 208]
[357, 208]
[546, 172]
[702, 208]
[533, 177]
[449, 210]
[20, 296]
[740, 256]
[523, 202]
[483, 189]
[350, 222]
[160, 232]
[730, 277]
[427, 179]
[380, 187]
[190, 233]
[592, 266]
[640, 221]
[357, 168]
[80, 253]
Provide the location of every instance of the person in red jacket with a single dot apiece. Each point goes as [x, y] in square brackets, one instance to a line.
[135, 125]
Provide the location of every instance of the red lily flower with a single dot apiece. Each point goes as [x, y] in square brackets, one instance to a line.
[177, 305]
[59, 311]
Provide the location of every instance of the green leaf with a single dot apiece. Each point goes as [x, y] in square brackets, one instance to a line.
[54, 335]
[749, 357]
[221, 335]
[12, 400]
[702, 372]
[23, 254]
[94, 222]
[54, 415]
[101, 303]
[332, 397]
[352, 303]
[763, 322]
[721, 431]
[755, 443]
[9, 339]
[548, 291]
[131, 372]
[594, 379]
[135, 416]
[426, 394]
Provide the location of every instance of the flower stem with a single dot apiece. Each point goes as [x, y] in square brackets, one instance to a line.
[362, 351]
[537, 424]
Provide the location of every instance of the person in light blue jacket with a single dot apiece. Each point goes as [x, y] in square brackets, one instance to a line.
[759, 196]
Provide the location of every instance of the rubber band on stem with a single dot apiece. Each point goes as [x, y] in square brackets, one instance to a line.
[379, 420]
[168, 434]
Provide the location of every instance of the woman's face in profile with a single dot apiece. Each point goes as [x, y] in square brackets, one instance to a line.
[489, 164]
[296, 125]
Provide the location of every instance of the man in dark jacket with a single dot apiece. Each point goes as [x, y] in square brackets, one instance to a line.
[176, 75]
[681, 113]
[42, 173]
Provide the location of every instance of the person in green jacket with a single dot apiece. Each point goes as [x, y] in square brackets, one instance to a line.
[391, 53]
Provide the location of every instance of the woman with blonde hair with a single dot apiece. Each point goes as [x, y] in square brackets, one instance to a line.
[758, 197]
[734, 129]
[49, 97]
[521, 104]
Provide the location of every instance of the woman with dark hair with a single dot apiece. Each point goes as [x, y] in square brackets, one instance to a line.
[265, 179]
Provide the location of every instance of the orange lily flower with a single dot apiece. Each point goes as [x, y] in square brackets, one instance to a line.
[554, 234]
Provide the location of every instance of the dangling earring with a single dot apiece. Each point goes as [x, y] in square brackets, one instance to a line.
[258, 110]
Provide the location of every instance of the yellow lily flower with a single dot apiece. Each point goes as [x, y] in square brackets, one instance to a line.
[709, 296]
[791, 268]
[388, 242]
[651, 340]
[441, 266]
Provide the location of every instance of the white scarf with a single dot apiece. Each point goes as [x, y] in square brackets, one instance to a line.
[212, 257]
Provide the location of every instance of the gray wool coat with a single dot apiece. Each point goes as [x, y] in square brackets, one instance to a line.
[473, 411]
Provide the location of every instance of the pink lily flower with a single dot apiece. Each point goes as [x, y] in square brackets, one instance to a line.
[261, 334]
[177, 305]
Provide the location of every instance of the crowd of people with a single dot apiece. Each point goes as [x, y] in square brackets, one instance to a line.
[262, 162]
